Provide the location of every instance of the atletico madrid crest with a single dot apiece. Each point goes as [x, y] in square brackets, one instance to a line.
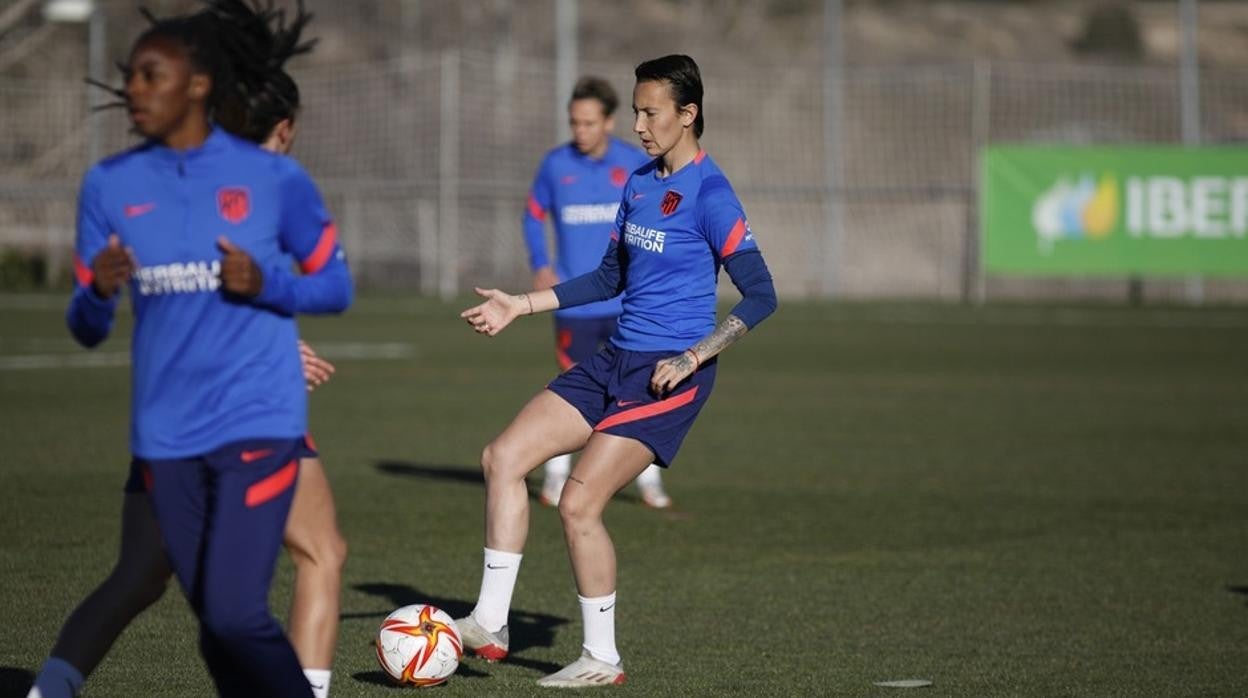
[670, 201]
[234, 204]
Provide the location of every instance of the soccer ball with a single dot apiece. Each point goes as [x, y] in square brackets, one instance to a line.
[419, 645]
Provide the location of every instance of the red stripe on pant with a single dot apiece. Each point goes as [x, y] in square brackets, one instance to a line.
[273, 485]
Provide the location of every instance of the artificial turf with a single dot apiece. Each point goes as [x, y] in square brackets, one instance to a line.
[1009, 500]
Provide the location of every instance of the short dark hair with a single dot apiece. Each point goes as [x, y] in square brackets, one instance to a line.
[593, 87]
[681, 73]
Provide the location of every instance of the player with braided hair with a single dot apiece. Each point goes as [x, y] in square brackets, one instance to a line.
[221, 539]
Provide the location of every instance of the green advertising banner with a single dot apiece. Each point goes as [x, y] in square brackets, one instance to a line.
[1156, 210]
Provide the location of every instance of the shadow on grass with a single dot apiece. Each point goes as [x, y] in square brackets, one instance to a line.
[381, 678]
[452, 473]
[527, 629]
[15, 682]
[1241, 589]
[472, 476]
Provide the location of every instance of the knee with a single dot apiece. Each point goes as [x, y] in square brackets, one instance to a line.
[576, 510]
[496, 461]
[326, 553]
[231, 623]
[139, 586]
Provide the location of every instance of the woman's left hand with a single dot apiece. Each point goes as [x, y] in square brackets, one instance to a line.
[669, 372]
[316, 371]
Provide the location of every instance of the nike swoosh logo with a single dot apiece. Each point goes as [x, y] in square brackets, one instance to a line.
[637, 196]
[253, 456]
[604, 609]
[139, 209]
[626, 403]
[316, 687]
[495, 567]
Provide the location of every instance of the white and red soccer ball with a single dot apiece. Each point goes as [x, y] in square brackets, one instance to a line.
[419, 645]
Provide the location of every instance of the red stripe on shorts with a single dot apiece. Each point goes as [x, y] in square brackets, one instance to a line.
[650, 410]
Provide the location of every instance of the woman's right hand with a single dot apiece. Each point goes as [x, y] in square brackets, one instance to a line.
[497, 312]
[112, 267]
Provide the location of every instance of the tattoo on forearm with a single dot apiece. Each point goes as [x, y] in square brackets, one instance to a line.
[684, 362]
[525, 297]
[729, 331]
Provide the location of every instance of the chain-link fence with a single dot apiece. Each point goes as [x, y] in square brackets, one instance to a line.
[426, 160]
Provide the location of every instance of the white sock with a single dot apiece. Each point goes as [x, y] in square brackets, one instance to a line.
[318, 679]
[598, 617]
[57, 679]
[559, 467]
[652, 476]
[498, 580]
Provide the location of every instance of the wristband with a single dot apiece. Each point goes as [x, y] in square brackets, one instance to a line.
[696, 361]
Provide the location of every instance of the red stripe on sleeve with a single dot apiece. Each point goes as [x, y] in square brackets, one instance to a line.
[650, 410]
[734, 239]
[272, 486]
[535, 209]
[324, 248]
[82, 272]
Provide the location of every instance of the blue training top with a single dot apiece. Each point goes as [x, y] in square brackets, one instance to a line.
[674, 233]
[208, 369]
[581, 195]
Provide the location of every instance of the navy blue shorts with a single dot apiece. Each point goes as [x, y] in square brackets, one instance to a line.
[139, 481]
[578, 339]
[612, 392]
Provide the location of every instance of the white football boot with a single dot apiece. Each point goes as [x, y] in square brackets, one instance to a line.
[585, 672]
[491, 647]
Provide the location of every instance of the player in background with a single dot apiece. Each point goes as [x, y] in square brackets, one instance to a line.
[578, 185]
[218, 405]
[634, 401]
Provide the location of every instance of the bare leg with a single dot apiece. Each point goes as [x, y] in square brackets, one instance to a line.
[319, 552]
[607, 464]
[546, 426]
[136, 582]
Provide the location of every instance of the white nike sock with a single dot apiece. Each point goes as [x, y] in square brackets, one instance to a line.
[318, 679]
[498, 581]
[57, 679]
[598, 617]
[559, 467]
[650, 477]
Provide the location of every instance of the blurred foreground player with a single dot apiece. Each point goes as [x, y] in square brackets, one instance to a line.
[219, 404]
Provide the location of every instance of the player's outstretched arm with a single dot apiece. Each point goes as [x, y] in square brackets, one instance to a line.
[500, 308]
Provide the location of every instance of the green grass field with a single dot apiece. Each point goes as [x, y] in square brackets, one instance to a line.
[1014, 500]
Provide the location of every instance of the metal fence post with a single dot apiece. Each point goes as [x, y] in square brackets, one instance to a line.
[448, 178]
[974, 284]
[833, 84]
